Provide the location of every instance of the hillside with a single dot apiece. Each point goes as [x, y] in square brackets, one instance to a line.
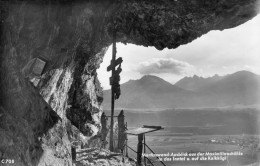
[151, 92]
[148, 92]
[195, 83]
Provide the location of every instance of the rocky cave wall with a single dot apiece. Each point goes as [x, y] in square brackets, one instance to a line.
[39, 124]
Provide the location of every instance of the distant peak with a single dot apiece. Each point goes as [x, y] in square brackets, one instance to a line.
[150, 77]
[196, 77]
[243, 72]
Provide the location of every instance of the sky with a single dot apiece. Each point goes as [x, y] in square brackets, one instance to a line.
[217, 52]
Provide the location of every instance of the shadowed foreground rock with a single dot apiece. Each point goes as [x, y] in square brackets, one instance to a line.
[38, 124]
[101, 157]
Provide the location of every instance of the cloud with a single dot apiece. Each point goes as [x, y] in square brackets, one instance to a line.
[164, 65]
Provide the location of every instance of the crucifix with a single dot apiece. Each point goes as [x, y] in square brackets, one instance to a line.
[115, 86]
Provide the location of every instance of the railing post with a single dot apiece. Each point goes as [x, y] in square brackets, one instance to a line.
[144, 151]
[104, 130]
[139, 149]
[73, 153]
[126, 150]
[121, 130]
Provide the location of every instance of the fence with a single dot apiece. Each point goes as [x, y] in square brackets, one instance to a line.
[121, 140]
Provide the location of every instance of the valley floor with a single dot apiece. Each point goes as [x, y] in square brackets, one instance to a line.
[162, 143]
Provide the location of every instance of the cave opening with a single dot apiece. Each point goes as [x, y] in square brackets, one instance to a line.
[230, 55]
[214, 55]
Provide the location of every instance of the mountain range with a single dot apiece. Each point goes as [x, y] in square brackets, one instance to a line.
[152, 92]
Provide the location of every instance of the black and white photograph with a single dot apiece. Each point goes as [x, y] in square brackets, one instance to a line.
[130, 83]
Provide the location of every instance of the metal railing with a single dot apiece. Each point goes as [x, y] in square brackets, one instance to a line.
[136, 153]
[154, 153]
[150, 161]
